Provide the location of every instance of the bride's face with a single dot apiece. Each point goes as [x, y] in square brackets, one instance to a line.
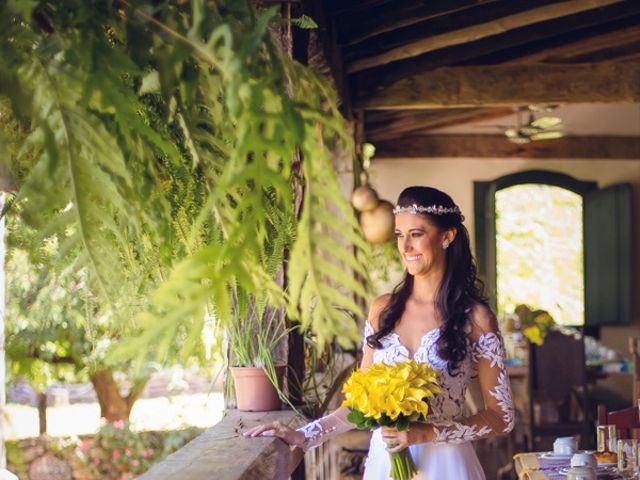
[420, 243]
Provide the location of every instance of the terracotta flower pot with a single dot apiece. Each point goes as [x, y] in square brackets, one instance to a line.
[254, 390]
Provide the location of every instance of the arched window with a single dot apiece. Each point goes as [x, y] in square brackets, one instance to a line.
[553, 242]
[539, 251]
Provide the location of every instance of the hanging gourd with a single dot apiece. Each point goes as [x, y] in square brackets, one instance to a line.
[376, 215]
[364, 197]
[378, 224]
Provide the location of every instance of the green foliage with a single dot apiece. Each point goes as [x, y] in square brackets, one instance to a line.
[116, 452]
[305, 22]
[159, 149]
[47, 338]
[255, 335]
[58, 330]
[385, 265]
[15, 457]
[363, 422]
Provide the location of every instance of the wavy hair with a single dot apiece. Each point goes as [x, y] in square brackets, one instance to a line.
[459, 290]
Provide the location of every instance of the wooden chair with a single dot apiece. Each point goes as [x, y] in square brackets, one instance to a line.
[558, 391]
[627, 421]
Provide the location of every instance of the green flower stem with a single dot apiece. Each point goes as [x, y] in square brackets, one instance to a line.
[402, 466]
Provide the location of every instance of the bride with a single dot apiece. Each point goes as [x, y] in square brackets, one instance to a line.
[437, 315]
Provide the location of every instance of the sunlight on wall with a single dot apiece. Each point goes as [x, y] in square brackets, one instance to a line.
[539, 251]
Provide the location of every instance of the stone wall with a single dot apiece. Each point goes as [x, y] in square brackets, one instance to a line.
[41, 458]
[112, 454]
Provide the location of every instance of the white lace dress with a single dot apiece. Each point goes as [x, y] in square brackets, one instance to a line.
[451, 456]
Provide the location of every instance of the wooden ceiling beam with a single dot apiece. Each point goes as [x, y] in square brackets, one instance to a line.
[476, 31]
[401, 13]
[508, 85]
[504, 47]
[589, 37]
[497, 146]
[385, 125]
[572, 51]
[613, 53]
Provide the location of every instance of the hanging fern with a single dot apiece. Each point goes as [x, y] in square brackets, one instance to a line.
[160, 150]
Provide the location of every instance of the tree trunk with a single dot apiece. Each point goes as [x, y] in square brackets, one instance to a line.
[42, 412]
[113, 405]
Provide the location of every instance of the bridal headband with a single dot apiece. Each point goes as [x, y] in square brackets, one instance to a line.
[432, 209]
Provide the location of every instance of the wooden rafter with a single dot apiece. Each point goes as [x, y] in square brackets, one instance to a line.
[508, 85]
[585, 35]
[476, 31]
[403, 13]
[576, 50]
[386, 125]
[516, 43]
[497, 146]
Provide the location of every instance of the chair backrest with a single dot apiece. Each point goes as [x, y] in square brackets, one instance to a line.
[627, 420]
[557, 367]
[558, 392]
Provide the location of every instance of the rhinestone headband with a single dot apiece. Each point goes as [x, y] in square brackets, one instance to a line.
[432, 209]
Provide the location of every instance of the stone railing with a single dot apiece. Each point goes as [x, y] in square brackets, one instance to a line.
[222, 453]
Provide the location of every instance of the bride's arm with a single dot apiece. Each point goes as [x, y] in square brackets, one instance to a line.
[318, 431]
[498, 416]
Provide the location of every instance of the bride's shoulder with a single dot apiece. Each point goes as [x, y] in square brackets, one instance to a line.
[481, 320]
[376, 308]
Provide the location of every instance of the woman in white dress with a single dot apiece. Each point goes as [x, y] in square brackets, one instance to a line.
[437, 315]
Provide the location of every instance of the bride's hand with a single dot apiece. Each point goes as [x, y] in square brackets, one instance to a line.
[397, 440]
[277, 429]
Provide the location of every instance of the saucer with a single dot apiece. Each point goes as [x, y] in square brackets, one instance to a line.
[603, 469]
[557, 456]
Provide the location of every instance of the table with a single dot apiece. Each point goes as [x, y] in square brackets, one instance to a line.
[534, 466]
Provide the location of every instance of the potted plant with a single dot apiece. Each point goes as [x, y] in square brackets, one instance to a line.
[257, 356]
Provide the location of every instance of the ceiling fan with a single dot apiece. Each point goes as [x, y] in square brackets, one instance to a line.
[536, 127]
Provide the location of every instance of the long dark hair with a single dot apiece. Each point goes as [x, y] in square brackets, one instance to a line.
[459, 290]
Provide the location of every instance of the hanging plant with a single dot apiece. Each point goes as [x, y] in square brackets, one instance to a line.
[120, 104]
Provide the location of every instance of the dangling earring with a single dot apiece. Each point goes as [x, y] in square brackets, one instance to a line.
[445, 244]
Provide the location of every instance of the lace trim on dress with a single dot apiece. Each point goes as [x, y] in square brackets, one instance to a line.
[454, 432]
[502, 393]
[491, 346]
[314, 432]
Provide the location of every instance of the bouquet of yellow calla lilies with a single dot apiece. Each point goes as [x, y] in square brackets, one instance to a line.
[391, 396]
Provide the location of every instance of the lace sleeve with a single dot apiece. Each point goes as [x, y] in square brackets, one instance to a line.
[368, 330]
[322, 429]
[319, 431]
[498, 416]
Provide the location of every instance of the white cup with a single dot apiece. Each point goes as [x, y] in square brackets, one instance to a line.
[581, 473]
[584, 459]
[565, 445]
